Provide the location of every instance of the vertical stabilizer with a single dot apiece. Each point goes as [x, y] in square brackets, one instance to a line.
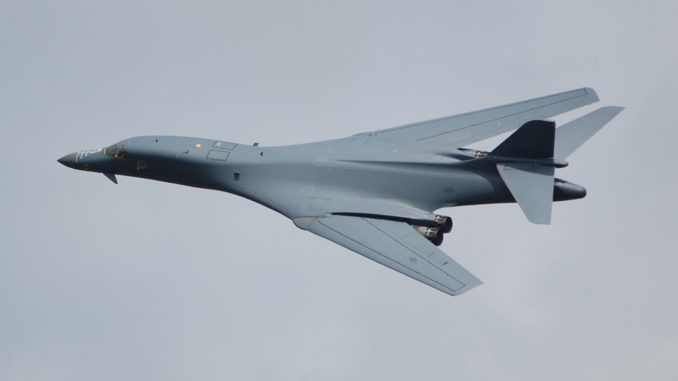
[533, 140]
[525, 163]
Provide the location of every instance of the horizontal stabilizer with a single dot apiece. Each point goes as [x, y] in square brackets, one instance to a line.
[532, 187]
[572, 135]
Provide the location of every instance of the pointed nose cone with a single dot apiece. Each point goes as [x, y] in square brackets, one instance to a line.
[69, 160]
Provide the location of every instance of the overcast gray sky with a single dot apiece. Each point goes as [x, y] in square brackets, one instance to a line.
[147, 280]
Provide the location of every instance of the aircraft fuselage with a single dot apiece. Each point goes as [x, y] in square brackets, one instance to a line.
[298, 180]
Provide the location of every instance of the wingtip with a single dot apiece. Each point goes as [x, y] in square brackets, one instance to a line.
[591, 93]
[468, 287]
[614, 109]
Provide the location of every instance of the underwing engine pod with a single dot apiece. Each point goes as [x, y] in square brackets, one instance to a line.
[435, 235]
[444, 223]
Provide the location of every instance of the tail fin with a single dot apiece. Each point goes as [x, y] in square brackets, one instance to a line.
[534, 140]
[572, 135]
[525, 163]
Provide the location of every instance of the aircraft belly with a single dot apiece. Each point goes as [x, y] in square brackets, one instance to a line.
[302, 190]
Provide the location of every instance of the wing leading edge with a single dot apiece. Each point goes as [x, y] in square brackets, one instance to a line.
[396, 245]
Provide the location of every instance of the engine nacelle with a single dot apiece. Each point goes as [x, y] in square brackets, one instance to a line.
[444, 223]
[435, 235]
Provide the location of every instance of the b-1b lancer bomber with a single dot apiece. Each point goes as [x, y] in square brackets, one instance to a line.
[376, 193]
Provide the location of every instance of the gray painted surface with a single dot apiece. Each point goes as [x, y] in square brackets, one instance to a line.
[572, 135]
[337, 189]
[146, 280]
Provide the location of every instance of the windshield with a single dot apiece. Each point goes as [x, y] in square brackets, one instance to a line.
[117, 151]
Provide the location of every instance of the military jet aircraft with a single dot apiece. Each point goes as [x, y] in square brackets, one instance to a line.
[376, 193]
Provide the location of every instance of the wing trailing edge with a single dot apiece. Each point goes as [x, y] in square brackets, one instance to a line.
[396, 245]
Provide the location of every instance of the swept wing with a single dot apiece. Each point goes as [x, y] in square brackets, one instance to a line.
[445, 134]
[394, 244]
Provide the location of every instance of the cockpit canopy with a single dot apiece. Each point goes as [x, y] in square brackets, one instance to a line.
[117, 151]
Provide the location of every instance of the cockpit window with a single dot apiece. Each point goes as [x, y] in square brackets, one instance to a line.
[117, 151]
